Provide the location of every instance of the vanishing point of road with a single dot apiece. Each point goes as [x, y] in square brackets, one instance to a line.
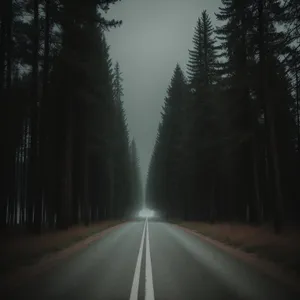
[152, 261]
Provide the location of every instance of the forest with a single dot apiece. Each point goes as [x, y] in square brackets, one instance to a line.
[67, 155]
[227, 146]
[228, 143]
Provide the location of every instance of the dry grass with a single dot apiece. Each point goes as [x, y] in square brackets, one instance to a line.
[283, 249]
[26, 249]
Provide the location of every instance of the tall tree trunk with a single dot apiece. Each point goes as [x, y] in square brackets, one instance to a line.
[278, 217]
[84, 159]
[212, 204]
[43, 135]
[68, 162]
[25, 168]
[34, 196]
[76, 172]
[269, 117]
[87, 219]
[7, 167]
[256, 178]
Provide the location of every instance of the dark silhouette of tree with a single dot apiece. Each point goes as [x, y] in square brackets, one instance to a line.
[202, 112]
[122, 160]
[164, 170]
[137, 187]
[202, 59]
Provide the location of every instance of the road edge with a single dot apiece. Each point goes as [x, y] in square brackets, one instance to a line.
[25, 273]
[267, 267]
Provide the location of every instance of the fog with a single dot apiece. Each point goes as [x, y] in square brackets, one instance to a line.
[155, 35]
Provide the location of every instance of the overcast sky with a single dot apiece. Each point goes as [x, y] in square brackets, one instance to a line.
[155, 35]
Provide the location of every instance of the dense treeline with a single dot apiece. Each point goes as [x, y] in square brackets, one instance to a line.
[65, 149]
[137, 185]
[228, 145]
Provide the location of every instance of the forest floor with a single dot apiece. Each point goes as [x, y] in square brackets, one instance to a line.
[20, 249]
[283, 249]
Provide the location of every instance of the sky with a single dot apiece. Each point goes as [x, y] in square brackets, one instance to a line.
[154, 36]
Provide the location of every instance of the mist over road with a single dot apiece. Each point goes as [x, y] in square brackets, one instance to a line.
[152, 260]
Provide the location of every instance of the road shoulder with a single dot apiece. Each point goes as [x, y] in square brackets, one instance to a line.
[269, 268]
[52, 256]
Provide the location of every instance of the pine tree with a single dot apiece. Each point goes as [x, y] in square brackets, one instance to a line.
[201, 114]
[118, 88]
[137, 188]
[270, 47]
[202, 59]
[122, 158]
[164, 167]
[236, 69]
[154, 176]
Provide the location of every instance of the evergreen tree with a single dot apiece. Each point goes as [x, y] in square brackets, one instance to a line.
[122, 161]
[243, 117]
[202, 58]
[137, 187]
[201, 118]
[166, 152]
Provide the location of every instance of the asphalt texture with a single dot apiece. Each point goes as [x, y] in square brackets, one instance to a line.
[151, 261]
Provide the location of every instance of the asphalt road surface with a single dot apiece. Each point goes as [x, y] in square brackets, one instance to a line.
[152, 260]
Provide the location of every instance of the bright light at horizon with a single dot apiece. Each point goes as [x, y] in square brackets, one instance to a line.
[146, 213]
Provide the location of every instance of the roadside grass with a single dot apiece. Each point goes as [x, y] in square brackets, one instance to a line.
[283, 249]
[27, 249]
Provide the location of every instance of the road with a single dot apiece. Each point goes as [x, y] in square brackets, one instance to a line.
[152, 260]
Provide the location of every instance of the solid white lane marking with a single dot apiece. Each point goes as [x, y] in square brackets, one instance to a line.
[136, 278]
[149, 291]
